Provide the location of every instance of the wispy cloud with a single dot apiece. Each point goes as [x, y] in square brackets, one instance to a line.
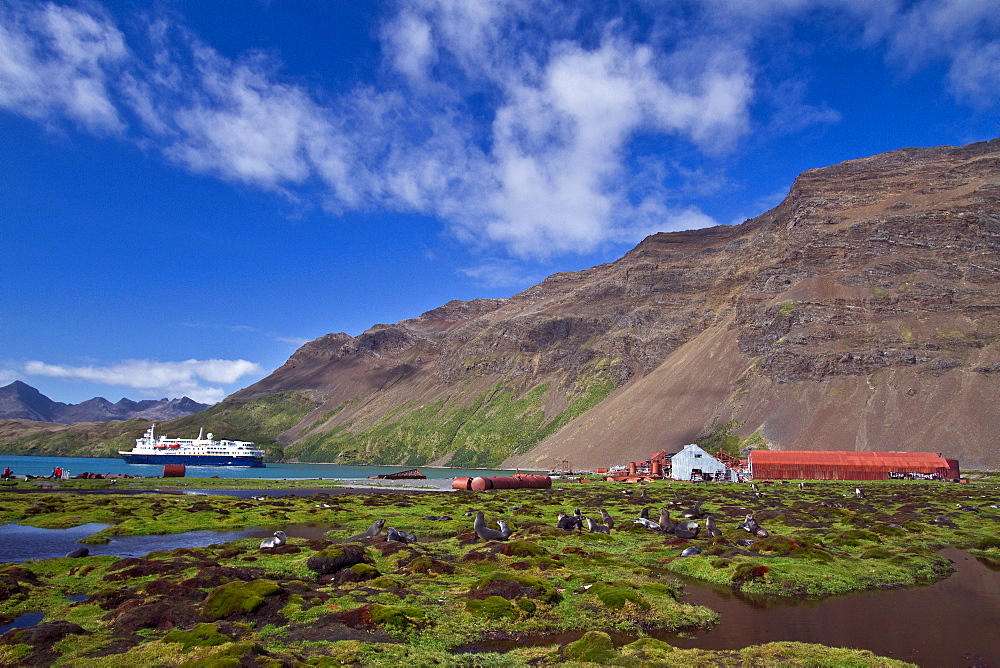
[537, 166]
[173, 379]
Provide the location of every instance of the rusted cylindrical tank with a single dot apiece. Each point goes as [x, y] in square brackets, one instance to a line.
[519, 481]
[174, 471]
[656, 468]
[632, 468]
[461, 483]
[505, 482]
[535, 481]
[481, 484]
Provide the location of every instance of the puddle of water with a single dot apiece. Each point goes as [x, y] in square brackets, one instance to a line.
[21, 543]
[953, 622]
[24, 621]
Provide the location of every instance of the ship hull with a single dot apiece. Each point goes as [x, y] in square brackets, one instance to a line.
[194, 460]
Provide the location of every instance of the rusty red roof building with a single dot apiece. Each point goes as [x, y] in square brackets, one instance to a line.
[847, 465]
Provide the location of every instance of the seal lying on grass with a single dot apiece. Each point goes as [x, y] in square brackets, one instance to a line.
[486, 533]
[277, 540]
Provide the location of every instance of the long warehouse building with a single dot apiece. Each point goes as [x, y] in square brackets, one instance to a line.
[846, 465]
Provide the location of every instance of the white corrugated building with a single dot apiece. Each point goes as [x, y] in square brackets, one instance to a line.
[694, 463]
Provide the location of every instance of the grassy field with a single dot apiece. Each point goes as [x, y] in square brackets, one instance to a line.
[376, 602]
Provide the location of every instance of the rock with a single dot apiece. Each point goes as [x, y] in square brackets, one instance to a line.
[336, 557]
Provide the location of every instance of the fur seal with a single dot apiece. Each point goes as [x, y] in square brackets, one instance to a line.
[608, 522]
[372, 531]
[711, 528]
[666, 524]
[691, 551]
[78, 552]
[644, 513]
[437, 518]
[594, 527]
[687, 529]
[486, 533]
[276, 540]
[694, 512]
[569, 522]
[751, 525]
[649, 524]
[399, 536]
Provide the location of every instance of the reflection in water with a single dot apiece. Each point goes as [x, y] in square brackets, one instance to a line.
[953, 622]
[21, 543]
[24, 621]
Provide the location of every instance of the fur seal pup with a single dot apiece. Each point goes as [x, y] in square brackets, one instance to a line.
[608, 522]
[687, 529]
[399, 536]
[486, 533]
[644, 513]
[569, 522]
[711, 528]
[594, 527]
[372, 531]
[694, 512]
[649, 524]
[276, 540]
[750, 524]
[691, 551]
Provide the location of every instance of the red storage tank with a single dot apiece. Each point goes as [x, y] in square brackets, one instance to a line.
[461, 483]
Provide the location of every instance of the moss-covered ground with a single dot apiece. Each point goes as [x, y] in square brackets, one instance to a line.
[306, 604]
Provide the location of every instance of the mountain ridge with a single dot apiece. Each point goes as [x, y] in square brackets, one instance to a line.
[861, 313]
[20, 401]
[879, 270]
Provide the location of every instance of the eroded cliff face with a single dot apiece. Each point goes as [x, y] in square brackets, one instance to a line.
[861, 313]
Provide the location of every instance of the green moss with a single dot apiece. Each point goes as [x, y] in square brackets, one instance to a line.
[616, 596]
[492, 607]
[524, 548]
[232, 656]
[543, 589]
[593, 647]
[645, 652]
[877, 553]
[400, 618]
[235, 597]
[202, 635]
[527, 605]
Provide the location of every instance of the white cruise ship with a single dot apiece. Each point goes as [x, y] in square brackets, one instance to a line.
[192, 451]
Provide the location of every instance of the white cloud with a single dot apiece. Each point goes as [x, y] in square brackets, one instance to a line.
[174, 379]
[512, 121]
[58, 60]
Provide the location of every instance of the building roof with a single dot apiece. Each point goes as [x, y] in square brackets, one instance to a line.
[847, 458]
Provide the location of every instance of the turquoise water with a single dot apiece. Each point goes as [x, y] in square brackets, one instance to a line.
[43, 466]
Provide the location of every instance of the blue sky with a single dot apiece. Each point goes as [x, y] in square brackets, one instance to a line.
[191, 189]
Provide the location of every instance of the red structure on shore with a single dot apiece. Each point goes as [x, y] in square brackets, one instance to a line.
[847, 465]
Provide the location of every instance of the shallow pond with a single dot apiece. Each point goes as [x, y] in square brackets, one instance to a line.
[954, 622]
[21, 543]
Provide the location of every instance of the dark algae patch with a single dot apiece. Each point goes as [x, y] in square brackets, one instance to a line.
[546, 596]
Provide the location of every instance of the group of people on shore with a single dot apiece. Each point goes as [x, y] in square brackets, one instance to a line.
[58, 473]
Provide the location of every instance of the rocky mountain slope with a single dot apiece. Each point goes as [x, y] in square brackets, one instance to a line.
[19, 401]
[861, 313]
